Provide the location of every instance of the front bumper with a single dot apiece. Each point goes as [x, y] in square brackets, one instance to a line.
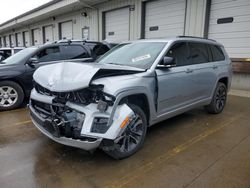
[93, 139]
[39, 122]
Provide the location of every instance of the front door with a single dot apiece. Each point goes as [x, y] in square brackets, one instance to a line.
[175, 84]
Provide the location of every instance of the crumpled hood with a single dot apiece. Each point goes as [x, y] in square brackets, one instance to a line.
[69, 76]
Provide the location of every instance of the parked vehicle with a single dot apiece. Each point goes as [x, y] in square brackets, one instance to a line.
[7, 52]
[110, 104]
[16, 72]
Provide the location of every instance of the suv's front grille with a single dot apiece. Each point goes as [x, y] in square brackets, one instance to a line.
[84, 96]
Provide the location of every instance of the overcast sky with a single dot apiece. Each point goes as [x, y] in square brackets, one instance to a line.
[12, 8]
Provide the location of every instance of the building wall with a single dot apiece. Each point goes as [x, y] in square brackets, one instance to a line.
[195, 16]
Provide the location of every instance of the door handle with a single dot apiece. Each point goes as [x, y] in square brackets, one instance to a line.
[215, 67]
[189, 71]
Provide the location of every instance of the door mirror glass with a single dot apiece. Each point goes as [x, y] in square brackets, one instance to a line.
[32, 61]
[167, 62]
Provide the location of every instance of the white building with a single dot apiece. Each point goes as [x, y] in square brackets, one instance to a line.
[227, 21]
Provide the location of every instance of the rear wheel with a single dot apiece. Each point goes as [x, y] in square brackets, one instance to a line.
[132, 138]
[219, 99]
[11, 95]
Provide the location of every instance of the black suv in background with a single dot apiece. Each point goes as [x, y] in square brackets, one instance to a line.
[16, 71]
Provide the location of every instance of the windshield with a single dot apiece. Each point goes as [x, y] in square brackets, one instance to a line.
[139, 55]
[19, 56]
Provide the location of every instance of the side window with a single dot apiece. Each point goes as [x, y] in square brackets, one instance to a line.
[199, 53]
[49, 54]
[217, 53]
[17, 50]
[179, 52]
[99, 50]
[74, 52]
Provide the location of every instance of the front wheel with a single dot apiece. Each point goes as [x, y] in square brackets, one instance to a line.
[219, 99]
[132, 138]
[11, 95]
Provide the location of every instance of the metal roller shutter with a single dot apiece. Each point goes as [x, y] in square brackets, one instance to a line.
[67, 30]
[164, 18]
[7, 40]
[48, 34]
[230, 24]
[12, 40]
[117, 25]
[26, 38]
[3, 42]
[19, 39]
[36, 37]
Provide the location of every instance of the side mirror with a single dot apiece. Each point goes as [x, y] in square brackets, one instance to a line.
[167, 62]
[32, 61]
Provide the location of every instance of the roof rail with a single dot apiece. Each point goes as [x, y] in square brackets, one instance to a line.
[195, 37]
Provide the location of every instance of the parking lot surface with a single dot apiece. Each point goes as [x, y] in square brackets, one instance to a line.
[194, 149]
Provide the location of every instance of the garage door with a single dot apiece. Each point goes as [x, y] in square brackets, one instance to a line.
[13, 40]
[66, 30]
[26, 38]
[230, 25]
[19, 39]
[164, 18]
[117, 25]
[36, 37]
[48, 34]
[7, 40]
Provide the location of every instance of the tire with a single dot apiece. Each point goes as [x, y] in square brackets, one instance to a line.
[219, 99]
[11, 95]
[121, 150]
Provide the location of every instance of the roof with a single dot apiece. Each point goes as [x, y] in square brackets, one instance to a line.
[48, 10]
[31, 11]
[9, 48]
[178, 38]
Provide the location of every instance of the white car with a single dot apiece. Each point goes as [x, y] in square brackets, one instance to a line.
[7, 52]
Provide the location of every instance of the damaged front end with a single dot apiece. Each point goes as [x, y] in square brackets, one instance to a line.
[81, 118]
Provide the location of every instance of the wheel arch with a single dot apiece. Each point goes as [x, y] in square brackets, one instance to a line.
[224, 80]
[17, 82]
[138, 99]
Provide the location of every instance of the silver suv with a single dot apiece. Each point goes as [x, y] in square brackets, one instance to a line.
[111, 103]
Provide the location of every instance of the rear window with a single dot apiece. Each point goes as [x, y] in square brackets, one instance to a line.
[199, 53]
[217, 53]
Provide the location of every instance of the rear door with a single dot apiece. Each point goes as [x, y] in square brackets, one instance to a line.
[204, 71]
